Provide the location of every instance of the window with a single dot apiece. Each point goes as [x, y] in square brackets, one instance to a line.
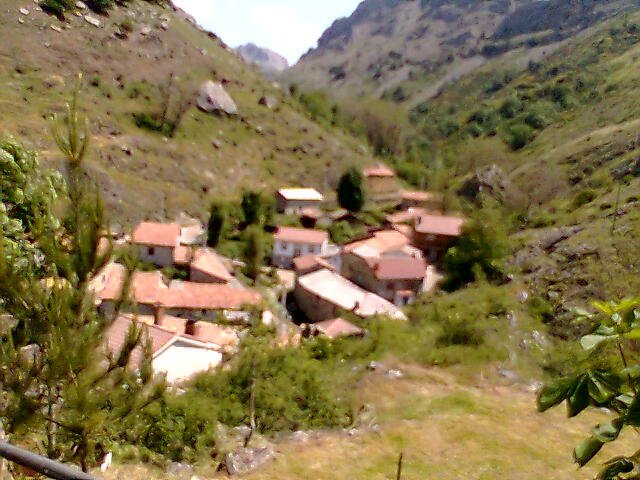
[151, 250]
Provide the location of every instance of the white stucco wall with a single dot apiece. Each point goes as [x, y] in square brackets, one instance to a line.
[182, 361]
[159, 256]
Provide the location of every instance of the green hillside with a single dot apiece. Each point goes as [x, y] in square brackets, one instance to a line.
[127, 64]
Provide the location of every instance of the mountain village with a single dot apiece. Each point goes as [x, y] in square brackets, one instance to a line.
[196, 322]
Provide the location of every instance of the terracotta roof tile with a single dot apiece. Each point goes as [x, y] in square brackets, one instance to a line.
[439, 225]
[405, 216]
[338, 327]
[399, 268]
[207, 296]
[382, 241]
[301, 235]
[210, 332]
[157, 234]
[419, 196]
[108, 283]
[146, 287]
[207, 262]
[117, 334]
[182, 255]
[380, 171]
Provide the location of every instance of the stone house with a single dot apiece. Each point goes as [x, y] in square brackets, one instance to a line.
[381, 184]
[435, 234]
[290, 243]
[292, 201]
[324, 294]
[397, 278]
[156, 243]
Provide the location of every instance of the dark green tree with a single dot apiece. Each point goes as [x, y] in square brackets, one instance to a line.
[351, 190]
[253, 207]
[480, 252]
[254, 251]
[218, 223]
[59, 384]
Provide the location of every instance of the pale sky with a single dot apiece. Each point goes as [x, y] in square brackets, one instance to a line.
[289, 27]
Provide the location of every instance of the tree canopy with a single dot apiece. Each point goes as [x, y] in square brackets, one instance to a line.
[351, 190]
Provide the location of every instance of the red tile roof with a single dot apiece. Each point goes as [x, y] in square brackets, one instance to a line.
[418, 196]
[301, 235]
[119, 329]
[210, 332]
[313, 213]
[382, 241]
[398, 268]
[380, 171]
[157, 234]
[207, 262]
[182, 255]
[147, 287]
[405, 216]
[338, 327]
[207, 296]
[439, 225]
[307, 263]
[112, 279]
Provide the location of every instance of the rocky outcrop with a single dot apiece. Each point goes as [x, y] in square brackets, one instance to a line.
[490, 181]
[213, 98]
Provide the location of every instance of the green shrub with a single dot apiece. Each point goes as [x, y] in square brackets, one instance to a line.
[292, 389]
[519, 136]
[511, 107]
[343, 232]
[584, 197]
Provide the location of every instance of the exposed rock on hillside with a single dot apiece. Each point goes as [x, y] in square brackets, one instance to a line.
[214, 98]
[406, 50]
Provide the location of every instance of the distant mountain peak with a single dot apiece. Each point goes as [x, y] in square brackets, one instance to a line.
[267, 60]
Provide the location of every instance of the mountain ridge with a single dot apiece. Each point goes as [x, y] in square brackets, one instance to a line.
[269, 62]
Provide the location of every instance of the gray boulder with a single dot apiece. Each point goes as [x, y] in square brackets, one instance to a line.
[247, 460]
[214, 98]
[490, 181]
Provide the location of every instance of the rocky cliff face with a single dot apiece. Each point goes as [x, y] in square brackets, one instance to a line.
[268, 61]
[405, 50]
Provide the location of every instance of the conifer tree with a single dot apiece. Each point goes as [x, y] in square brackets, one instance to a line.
[61, 390]
[218, 220]
[351, 193]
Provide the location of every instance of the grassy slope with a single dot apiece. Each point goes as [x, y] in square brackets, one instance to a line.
[447, 427]
[574, 154]
[263, 148]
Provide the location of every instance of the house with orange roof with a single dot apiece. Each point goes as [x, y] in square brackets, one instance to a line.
[289, 243]
[381, 183]
[206, 267]
[156, 242]
[387, 265]
[420, 199]
[206, 301]
[435, 234]
[179, 357]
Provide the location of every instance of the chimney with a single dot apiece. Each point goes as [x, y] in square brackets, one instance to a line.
[158, 315]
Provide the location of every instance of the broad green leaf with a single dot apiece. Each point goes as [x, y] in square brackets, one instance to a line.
[615, 467]
[589, 342]
[604, 307]
[599, 390]
[625, 398]
[609, 431]
[588, 449]
[555, 393]
[605, 330]
[578, 398]
[581, 312]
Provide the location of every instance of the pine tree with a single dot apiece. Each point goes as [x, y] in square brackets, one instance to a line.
[351, 192]
[254, 251]
[218, 220]
[252, 207]
[59, 386]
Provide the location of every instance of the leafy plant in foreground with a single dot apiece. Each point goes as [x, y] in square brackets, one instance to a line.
[616, 388]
